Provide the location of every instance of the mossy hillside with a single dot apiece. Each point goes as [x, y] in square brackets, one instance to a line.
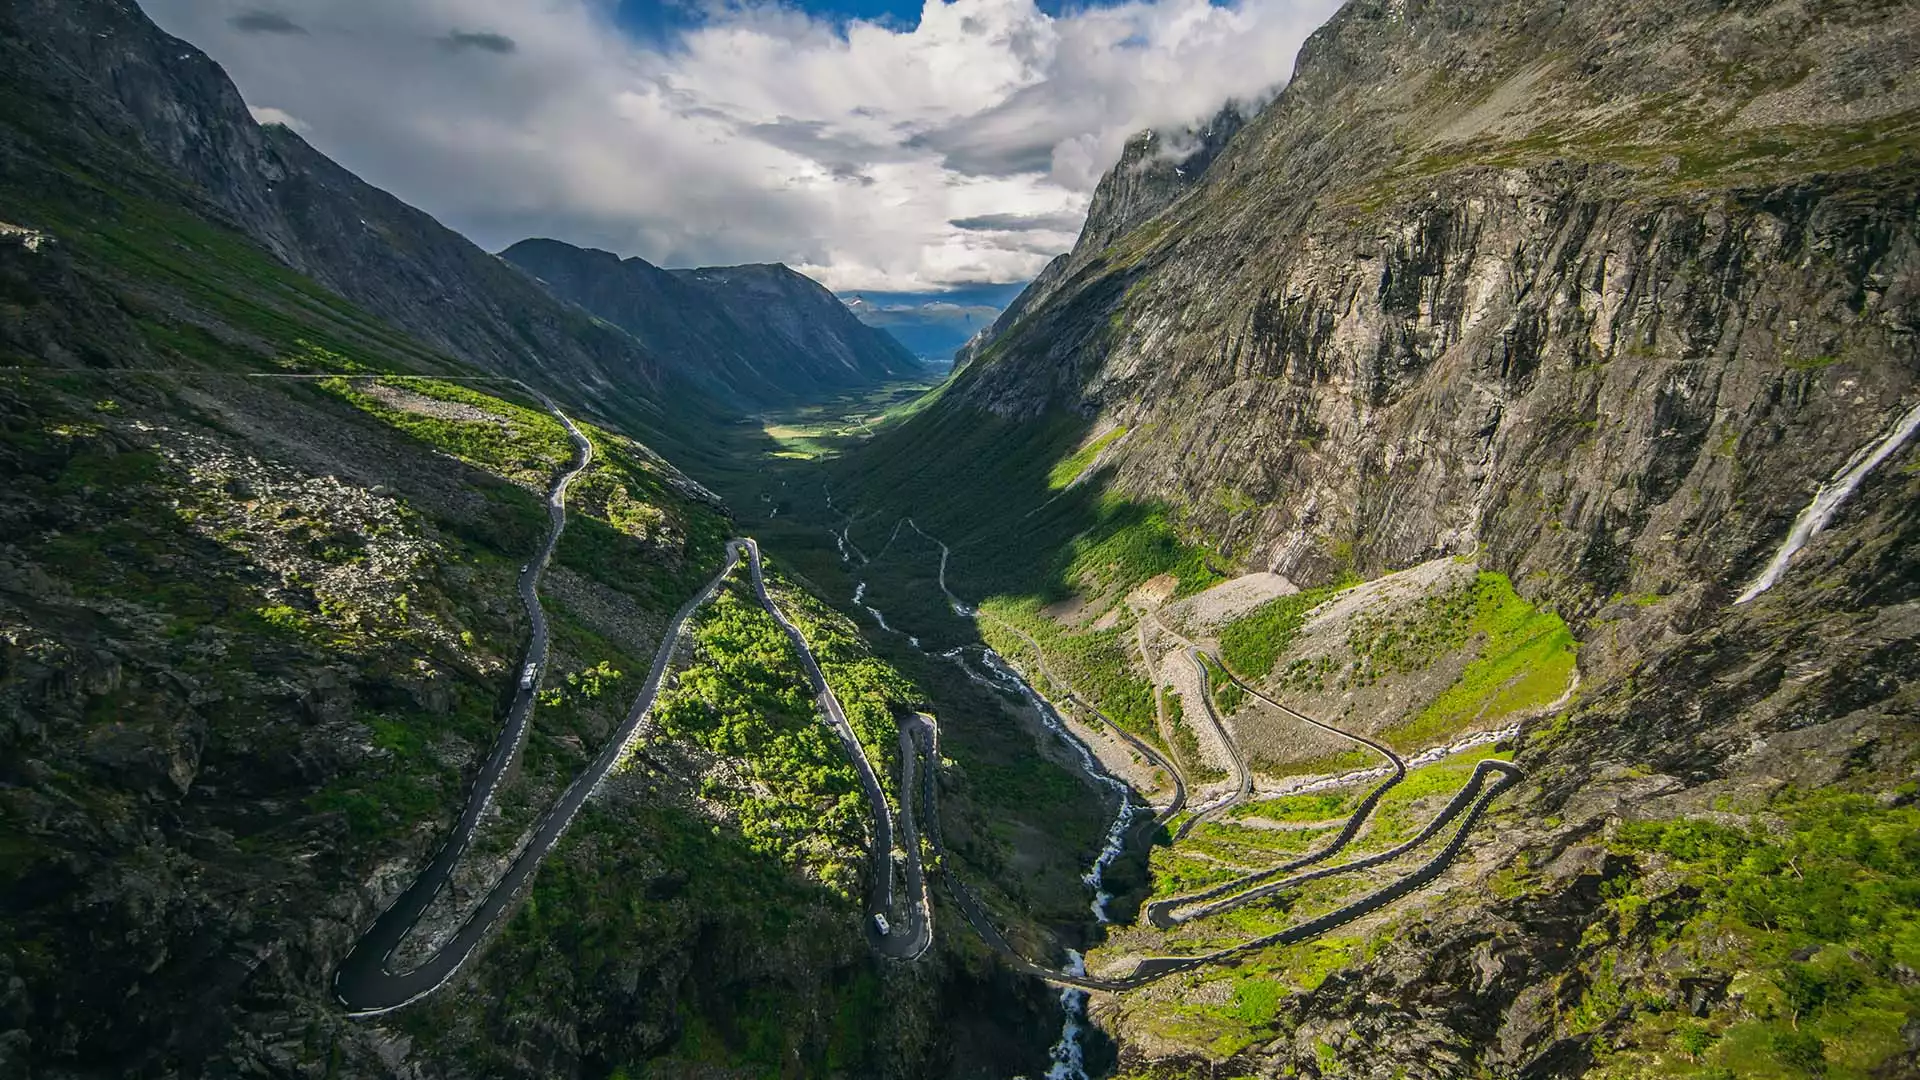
[1264, 986]
[200, 295]
[1670, 145]
[599, 946]
[1251, 644]
[1068, 470]
[231, 656]
[632, 529]
[1806, 920]
[628, 528]
[1095, 663]
[982, 484]
[520, 442]
[1513, 657]
[1252, 1000]
[1526, 664]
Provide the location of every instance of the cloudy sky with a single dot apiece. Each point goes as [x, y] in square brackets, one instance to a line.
[875, 144]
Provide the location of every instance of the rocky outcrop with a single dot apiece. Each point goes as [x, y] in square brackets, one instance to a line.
[1468, 281]
[755, 334]
[1601, 293]
[1155, 169]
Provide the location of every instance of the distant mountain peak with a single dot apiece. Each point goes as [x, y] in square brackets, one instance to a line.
[758, 333]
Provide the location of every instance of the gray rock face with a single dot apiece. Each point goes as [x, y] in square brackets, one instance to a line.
[1603, 292]
[123, 87]
[1452, 288]
[1154, 170]
[755, 334]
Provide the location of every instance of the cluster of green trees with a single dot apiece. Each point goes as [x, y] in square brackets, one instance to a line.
[1096, 663]
[868, 688]
[1252, 643]
[1807, 922]
[746, 698]
[633, 532]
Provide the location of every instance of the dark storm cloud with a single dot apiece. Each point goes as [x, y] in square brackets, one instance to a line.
[1018, 223]
[1013, 138]
[960, 151]
[465, 40]
[265, 22]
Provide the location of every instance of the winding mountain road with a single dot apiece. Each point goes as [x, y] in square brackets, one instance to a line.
[1139, 745]
[881, 900]
[1491, 778]
[363, 983]
[1166, 913]
[366, 985]
[1242, 776]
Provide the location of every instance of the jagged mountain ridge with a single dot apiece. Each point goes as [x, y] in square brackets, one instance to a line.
[1154, 170]
[757, 334]
[1386, 332]
[117, 89]
[1598, 294]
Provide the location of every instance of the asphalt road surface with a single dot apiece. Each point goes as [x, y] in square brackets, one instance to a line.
[1242, 776]
[363, 983]
[881, 896]
[1490, 779]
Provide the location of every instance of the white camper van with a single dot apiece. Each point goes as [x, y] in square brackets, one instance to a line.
[526, 677]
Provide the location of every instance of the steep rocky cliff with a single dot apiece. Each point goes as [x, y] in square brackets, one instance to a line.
[1155, 168]
[755, 334]
[1598, 295]
[1514, 275]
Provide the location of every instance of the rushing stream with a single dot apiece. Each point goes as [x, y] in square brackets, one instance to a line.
[1069, 1052]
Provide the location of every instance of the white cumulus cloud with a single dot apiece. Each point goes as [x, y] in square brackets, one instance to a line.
[267, 114]
[865, 154]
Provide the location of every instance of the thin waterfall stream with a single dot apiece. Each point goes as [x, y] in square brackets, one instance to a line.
[1827, 500]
